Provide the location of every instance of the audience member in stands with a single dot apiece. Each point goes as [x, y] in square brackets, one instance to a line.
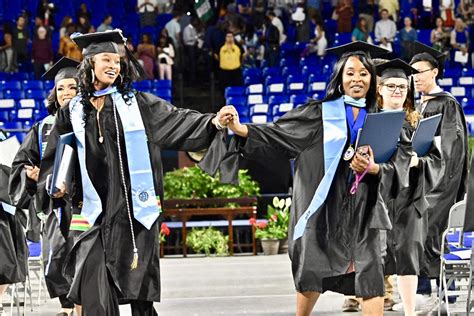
[278, 24]
[45, 10]
[67, 47]
[271, 39]
[42, 53]
[408, 35]
[460, 41]
[21, 38]
[173, 28]
[318, 43]
[39, 23]
[466, 9]
[147, 12]
[313, 7]
[84, 25]
[440, 36]
[385, 30]
[146, 52]
[7, 54]
[83, 11]
[106, 24]
[446, 11]
[164, 6]
[367, 10]
[67, 20]
[303, 27]
[230, 61]
[361, 31]
[165, 58]
[392, 7]
[190, 41]
[345, 11]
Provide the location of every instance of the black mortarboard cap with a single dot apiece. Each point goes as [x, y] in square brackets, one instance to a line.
[422, 52]
[64, 68]
[395, 68]
[372, 50]
[99, 42]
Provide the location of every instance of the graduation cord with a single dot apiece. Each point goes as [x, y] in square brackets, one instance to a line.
[358, 179]
[134, 264]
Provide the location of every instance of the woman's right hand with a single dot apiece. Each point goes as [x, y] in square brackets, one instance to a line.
[32, 172]
[61, 193]
[234, 125]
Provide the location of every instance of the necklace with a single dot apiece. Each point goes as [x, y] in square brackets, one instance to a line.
[99, 105]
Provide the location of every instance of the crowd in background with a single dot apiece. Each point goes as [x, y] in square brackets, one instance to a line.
[242, 33]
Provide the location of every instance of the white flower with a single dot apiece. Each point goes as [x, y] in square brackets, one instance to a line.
[276, 202]
[288, 202]
[282, 203]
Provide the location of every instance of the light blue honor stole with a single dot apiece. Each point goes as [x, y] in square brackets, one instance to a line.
[9, 208]
[334, 137]
[146, 209]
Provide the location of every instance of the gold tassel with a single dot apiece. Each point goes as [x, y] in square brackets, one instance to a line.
[135, 259]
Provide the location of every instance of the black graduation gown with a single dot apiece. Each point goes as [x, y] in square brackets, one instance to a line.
[345, 228]
[469, 218]
[13, 247]
[407, 205]
[167, 128]
[445, 169]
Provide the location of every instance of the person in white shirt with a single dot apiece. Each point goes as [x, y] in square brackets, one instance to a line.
[278, 24]
[174, 29]
[147, 11]
[385, 30]
[190, 39]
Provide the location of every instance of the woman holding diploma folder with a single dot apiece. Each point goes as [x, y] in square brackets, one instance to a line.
[23, 182]
[337, 211]
[406, 202]
[119, 136]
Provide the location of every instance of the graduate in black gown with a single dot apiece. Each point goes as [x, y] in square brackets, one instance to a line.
[445, 166]
[339, 248]
[13, 247]
[24, 176]
[119, 136]
[406, 200]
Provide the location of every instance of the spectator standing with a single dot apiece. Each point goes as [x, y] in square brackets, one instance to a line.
[367, 10]
[146, 52]
[408, 35]
[230, 56]
[303, 27]
[106, 24]
[318, 43]
[147, 11]
[84, 25]
[174, 33]
[67, 47]
[83, 11]
[39, 23]
[446, 11]
[67, 20]
[385, 30]
[440, 36]
[42, 52]
[7, 54]
[21, 37]
[361, 31]
[392, 7]
[45, 10]
[272, 43]
[344, 11]
[460, 41]
[190, 41]
[165, 58]
[278, 24]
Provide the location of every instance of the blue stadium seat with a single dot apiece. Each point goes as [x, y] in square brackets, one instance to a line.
[279, 110]
[21, 115]
[343, 38]
[290, 70]
[48, 85]
[7, 104]
[259, 119]
[4, 116]
[162, 84]
[467, 72]
[243, 111]
[27, 103]
[277, 99]
[311, 60]
[40, 114]
[460, 92]
[424, 36]
[452, 73]
[467, 102]
[145, 85]
[234, 92]
[20, 76]
[317, 87]
[13, 94]
[295, 84]
[10, 85]
[32, 85]
[36, 94]
[271, 71]
[259, 109]
[248, 80]
[253, 72]
[274, 79]
[11, 125]
[446, 82]
[288, 61]
[275, 89]
[236, 101]
[466, 81]
[256, 99]
[254, 89]
[298, 99]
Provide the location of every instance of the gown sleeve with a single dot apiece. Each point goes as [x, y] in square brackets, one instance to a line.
[4, 178]
[62, 126]
[20, 187]
[469, 217]
[174, 128]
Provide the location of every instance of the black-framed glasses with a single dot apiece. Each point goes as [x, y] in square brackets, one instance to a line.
[423, 71]
[393, 87]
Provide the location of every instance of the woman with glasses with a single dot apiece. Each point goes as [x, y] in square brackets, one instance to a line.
[445, 165]
[405, 239]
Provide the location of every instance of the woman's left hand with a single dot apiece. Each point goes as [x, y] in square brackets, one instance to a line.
[363, 160]
[224, 116]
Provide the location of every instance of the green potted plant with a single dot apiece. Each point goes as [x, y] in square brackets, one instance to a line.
[164, 231]
[269, 234]
[208, 240]
[280, 212]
